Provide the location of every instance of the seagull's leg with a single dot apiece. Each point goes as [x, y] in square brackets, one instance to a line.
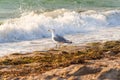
[56, 45]
[60, 45]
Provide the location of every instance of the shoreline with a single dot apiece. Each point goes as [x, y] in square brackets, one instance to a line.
[41, 64]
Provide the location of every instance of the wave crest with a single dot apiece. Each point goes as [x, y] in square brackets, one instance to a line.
[35, 26]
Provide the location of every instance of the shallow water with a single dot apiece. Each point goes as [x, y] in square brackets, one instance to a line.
[46, 43]
[25, 23]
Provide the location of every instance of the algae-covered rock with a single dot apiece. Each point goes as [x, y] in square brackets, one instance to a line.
[91, 61]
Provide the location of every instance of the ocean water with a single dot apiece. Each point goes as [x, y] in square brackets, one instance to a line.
[25, 23]
[14, 8]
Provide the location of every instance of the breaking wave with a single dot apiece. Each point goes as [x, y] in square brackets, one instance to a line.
[33, 26]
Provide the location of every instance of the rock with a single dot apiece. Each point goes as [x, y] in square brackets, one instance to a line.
[68, 63]
[110, 74]
[110, 53]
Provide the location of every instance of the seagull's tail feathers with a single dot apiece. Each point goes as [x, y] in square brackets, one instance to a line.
[69, 42]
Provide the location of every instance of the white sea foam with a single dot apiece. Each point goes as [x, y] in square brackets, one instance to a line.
[29, 32]
[35, 26]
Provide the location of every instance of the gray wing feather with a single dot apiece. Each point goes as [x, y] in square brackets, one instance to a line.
[60, 39]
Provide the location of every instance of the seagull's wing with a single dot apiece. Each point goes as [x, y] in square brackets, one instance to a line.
[61, 39]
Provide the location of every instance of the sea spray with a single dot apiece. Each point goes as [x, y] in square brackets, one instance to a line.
[34, 26]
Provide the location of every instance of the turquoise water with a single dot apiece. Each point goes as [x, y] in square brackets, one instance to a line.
[13, 8]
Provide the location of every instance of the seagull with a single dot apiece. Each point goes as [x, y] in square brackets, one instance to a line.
[57, 38]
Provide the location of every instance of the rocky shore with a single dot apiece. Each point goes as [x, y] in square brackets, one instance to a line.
[93, 61]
